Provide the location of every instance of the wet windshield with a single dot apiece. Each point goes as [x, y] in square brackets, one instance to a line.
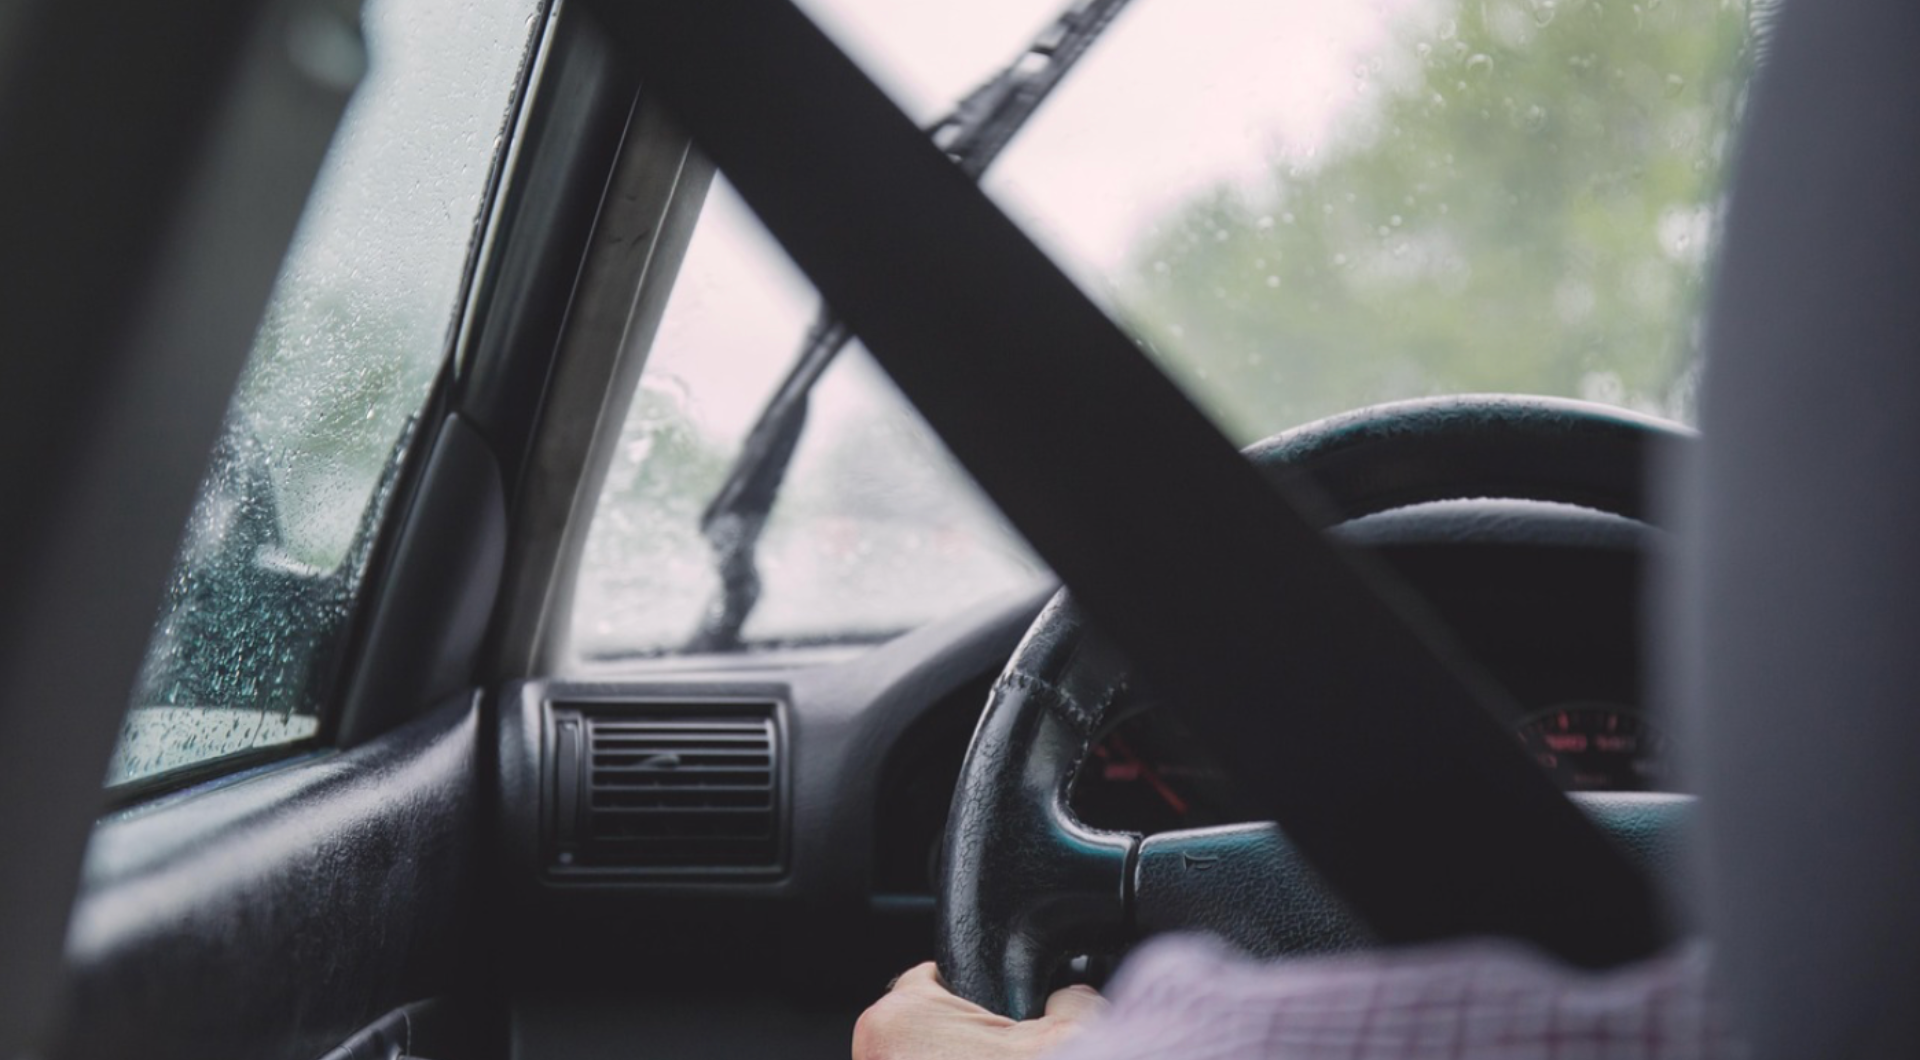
[1345, 204]
[1297, 207]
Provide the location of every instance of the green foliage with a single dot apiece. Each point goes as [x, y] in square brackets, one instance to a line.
[336, 375]
[665, 460]
[1521, 201]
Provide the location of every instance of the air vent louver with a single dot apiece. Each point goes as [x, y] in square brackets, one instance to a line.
[679, 789]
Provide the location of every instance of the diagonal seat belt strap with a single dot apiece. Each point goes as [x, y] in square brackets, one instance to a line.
[1360, 732]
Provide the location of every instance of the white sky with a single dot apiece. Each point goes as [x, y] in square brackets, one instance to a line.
[1177, 96]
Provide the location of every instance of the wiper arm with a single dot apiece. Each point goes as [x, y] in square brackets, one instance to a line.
[977, 130]
[738, 512]
[973, 135]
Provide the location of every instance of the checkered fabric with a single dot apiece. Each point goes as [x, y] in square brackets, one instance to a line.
[1190, 998]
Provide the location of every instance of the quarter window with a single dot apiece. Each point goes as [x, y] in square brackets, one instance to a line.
[876, 529]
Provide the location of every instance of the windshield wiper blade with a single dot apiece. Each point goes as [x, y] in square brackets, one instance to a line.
[973, 135]
[738, 512]
[977, 130]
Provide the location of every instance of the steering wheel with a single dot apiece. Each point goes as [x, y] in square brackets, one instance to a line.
[1025, 884]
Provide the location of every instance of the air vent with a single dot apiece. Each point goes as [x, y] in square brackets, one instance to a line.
[681, 789]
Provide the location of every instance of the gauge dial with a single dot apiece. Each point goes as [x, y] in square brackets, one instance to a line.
[1597, 747]
[1148, 774]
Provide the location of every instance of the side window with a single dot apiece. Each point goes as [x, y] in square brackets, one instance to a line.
[875, 529]
[247, 646]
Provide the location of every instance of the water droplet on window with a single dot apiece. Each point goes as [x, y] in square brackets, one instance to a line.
[1480, 64]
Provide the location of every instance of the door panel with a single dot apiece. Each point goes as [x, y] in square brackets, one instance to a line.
[274, 915]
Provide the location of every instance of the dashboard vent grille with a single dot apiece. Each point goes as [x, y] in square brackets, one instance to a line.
[673, 789]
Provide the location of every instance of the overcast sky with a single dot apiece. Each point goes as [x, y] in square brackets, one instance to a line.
[1178, 95]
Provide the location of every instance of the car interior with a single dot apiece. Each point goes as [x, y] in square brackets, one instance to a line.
[1562, 668]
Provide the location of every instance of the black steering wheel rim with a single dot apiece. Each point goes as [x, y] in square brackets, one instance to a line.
[1024, 883]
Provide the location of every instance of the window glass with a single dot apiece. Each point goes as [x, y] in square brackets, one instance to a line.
[1297, 207]
[1301, 208]
[249, 638]
[876, 529]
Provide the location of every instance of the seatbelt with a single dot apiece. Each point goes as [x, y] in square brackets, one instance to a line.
[1357, 728]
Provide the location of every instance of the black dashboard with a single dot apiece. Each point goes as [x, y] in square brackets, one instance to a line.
[1546, 598]
[861, 756]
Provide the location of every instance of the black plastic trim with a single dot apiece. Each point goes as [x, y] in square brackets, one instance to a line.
[428, 613]
[557, 849]
[273, 917]
[861, 725]
[809, 930]
[572, 135]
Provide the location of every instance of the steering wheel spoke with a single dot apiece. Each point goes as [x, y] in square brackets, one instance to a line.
[1244, 883]
[1024, 882]
[1247, 884]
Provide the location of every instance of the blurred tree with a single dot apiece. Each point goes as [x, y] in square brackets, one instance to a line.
[327, 396]
[647, 573]
[1522, 201]
[256, 609]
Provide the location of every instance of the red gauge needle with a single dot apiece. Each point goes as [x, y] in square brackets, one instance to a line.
[1151, 775]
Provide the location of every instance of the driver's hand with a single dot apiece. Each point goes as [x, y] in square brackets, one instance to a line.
[920, 1020]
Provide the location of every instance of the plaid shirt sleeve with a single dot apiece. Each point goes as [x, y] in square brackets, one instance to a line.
[1191, 998]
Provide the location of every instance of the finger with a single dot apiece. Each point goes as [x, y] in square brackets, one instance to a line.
[922, 976]
[1076, 1003]
[922, 985]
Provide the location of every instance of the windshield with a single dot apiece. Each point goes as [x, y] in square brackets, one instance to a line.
[1344, 204]
[1297, 207]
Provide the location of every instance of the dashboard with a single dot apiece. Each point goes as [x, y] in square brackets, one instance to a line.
[860, 755]
[1546, 600]
[1148, 774]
